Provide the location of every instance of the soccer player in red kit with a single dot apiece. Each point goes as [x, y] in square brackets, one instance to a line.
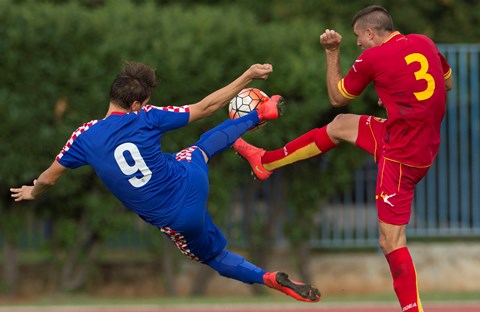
[411, 78]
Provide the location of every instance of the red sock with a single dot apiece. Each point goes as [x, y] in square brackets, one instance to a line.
[404, 280]
[310, 144]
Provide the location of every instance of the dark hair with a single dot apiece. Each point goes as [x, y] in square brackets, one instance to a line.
[374, 16]
[134, 83]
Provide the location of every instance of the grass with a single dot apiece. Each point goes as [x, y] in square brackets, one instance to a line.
[86, 300]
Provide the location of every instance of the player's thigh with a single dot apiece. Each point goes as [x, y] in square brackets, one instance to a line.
[371, 130]
[395, 189]
[196, 236]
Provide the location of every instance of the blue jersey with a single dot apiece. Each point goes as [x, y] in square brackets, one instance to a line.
[125, 152]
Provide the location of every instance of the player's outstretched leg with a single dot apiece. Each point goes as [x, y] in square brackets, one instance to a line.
[225, 134]
[253, 155]
[231, 265]
[299, 291]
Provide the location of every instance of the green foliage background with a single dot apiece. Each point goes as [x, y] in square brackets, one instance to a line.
[73, 49]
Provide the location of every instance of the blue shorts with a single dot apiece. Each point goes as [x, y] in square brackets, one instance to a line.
[193, 231]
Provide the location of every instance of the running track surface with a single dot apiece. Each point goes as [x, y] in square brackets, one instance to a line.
[307, 307]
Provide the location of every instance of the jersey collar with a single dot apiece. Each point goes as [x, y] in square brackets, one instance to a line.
[117, 113]
[393, 34]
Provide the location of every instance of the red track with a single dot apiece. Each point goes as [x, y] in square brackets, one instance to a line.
[315, 307]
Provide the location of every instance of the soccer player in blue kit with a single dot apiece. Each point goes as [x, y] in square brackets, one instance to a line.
[167, 190]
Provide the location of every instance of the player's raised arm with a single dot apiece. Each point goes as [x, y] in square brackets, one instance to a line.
[45, 181]
[331, 40]
[218, 99]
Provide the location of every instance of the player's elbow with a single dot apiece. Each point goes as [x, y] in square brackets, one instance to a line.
[49, 177]
[338, 101]
[449, 84]
[46, 181]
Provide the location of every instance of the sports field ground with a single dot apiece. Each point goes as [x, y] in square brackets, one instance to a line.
[337, 307]
[466, 302]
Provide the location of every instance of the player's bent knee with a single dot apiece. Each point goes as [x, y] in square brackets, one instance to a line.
[344, 127]
[226, 263]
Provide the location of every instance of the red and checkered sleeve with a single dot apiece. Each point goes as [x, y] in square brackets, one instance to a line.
[66, 148]
[167, 117]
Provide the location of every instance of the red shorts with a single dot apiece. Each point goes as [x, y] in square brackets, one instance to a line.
[395, 181]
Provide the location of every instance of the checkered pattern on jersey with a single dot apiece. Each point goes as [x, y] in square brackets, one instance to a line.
[75, 135]
[186, 153]
[180, 242]
[170, 108]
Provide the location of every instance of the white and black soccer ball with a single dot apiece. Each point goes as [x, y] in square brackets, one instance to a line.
[245, 102]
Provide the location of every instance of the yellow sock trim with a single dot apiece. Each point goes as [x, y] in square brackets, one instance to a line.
[308, 151]
[419, 302]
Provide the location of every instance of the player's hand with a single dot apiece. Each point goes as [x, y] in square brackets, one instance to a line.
[23, 193]
[330, 40]
[260, 71]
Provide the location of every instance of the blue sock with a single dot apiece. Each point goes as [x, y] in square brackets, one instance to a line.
[234, 266]
[225, 134]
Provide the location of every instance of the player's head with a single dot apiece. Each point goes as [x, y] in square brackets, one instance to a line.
[371, 25]
[133, 86]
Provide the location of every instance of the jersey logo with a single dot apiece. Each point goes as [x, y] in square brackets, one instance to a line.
[356, 61]
[386, 198]
[258, 169]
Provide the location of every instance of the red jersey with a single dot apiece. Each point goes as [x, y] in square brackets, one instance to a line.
[409, 76]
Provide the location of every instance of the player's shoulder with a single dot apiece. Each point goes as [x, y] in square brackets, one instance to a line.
[84, 127]
[87, 125]
[420, 37]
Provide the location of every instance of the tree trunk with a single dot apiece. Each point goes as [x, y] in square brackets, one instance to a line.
[303, 261]
[200, 280]
[10, 267]
[259, 240]
[80, 259]
[168, 268]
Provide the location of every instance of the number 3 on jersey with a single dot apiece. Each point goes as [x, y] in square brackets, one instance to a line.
[422, 74]
[139, 164]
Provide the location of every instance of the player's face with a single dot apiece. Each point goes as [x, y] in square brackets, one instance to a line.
[364, 37]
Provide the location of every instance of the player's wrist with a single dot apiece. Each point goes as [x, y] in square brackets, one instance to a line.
[332, 51]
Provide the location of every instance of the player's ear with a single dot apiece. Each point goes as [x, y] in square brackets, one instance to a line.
[135, 106]
[370, 33]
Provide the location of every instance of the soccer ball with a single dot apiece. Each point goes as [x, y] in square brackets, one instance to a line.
[245, 102]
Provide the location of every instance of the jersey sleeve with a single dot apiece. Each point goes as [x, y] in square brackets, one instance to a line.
[72, 154]
[358, 77]
[167, 118]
